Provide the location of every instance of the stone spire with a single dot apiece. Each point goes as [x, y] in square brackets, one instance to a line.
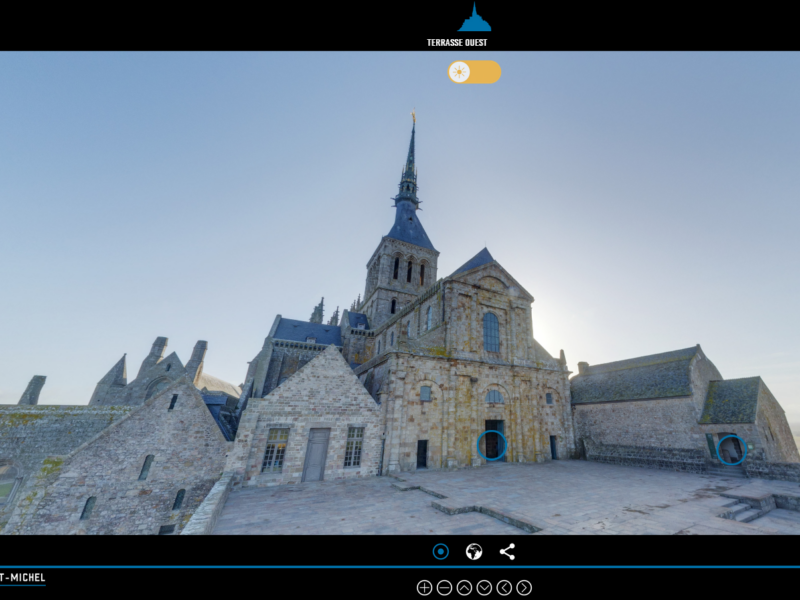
[30, 396]
[408, 178]
[316, 316]
[335, 318]
[111, 384]
[407, 227]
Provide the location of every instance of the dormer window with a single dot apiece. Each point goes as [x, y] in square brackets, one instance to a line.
[311, 340]
[361, 326]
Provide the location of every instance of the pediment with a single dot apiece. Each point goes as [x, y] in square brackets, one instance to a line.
[493, 277]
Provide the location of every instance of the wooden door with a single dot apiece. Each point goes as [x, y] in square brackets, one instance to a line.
[316, 453]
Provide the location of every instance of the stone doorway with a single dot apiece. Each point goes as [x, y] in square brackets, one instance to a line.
[494, 443]
[422, 454]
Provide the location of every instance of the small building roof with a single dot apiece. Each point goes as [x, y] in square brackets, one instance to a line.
[732, 401]
[213, 384]
[357, 318]
[298, 331]
[481, 258]
[664, 375]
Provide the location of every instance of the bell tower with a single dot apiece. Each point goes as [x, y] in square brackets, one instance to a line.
[405, 262]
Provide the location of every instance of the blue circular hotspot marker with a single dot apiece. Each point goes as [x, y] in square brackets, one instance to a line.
[505, 444]
[736, 463]
[440, 552]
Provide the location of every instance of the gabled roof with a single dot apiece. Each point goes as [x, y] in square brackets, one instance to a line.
[298, 331]
[664, 375]
[481, 258]
[407, 227]
[356, 318]
[732, 401]
[484, 258]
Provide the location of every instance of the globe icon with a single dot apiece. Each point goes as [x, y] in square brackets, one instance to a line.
[474, 551]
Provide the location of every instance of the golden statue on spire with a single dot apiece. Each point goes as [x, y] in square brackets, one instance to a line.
[414, 115]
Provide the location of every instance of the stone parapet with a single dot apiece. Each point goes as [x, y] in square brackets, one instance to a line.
[762, 469]
[205, 517]
[673, 459]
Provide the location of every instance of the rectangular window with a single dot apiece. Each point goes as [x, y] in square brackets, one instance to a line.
[166, 530]
[548, 398]
[352, 453]
[425, 393]
[173, 401]
[276, 450]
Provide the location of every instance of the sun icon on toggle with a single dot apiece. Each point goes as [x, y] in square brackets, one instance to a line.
[459, 72]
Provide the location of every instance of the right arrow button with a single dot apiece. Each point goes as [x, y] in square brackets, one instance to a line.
[524, 587]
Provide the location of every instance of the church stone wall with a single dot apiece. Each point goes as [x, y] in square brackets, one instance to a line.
[189, 453]
[28, 434]
[457, 413]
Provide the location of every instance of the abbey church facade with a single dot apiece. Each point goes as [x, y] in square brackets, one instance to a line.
[422, 372]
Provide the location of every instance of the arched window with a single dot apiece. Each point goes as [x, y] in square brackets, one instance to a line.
[408, 329]
[422, 274]
[179, 500]
[155, 387]
[391, 339]
[491, 333]
[494, 396]
[10, 477]
[430, 318]
[394, 305]
[396, 266]
[146, 467]
[169, 367]
[87, 508]
[408, 275]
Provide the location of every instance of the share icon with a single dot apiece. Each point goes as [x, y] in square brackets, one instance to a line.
[511, 556]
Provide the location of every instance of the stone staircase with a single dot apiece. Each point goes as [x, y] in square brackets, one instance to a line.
[743, 512]
[727, 471]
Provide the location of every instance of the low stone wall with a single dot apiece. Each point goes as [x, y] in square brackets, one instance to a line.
[205, 517]
[672, 459]
[772, 470]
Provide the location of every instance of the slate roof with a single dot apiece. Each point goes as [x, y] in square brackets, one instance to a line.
[732, 401]
[216, 404]
[298, 331]
[356, 318]
[481, 258]
[664, 375]
[407, 227]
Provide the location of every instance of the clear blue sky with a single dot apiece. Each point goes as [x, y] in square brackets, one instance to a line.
[648, 201]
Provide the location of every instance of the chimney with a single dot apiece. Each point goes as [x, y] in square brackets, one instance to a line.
[194, 368]
[156, 354]
[583, 368]
[31, 395]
